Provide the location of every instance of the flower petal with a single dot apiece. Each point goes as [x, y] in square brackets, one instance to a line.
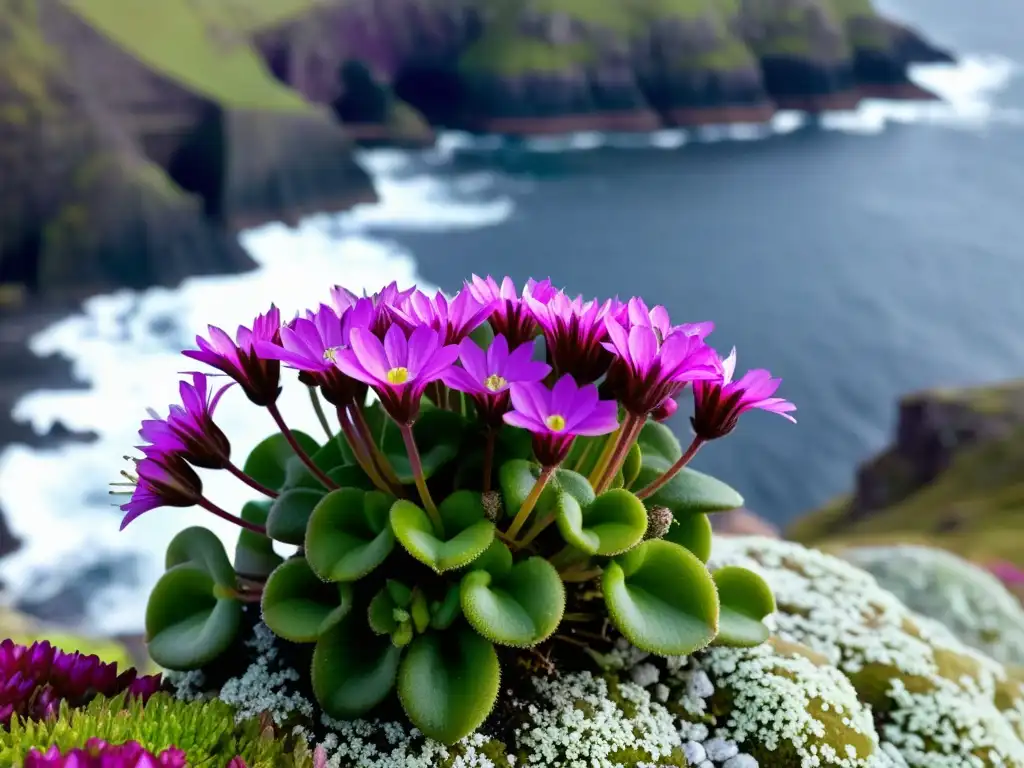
[369, 353]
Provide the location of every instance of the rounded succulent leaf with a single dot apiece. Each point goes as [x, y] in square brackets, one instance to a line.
[692, 531]
[497, 559]
[448, 683]
[351, 476]
[611, 524]
[290, 512]
[348, 534]
[353, 671]
[328, 458]
[298, 606]
[656, 439]
[438, 435]
[187, 624]
[746, 600]
[520, 608]
[267, 463]
[203, 549]
[467, 532]
[631, 466]
[254, 553]
[380, 614]
[662, 598]
[444, 613]
[516, 479]
[687, 492]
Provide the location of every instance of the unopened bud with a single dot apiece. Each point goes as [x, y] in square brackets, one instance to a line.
[666, 410]
[659, 520]
[493, 506]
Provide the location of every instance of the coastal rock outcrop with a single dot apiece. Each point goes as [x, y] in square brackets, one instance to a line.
[514, 67]
[951, 479]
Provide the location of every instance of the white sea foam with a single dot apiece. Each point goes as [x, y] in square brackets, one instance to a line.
[125, 345]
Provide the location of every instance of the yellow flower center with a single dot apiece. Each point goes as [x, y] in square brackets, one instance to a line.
[331, 354]
[555, 422]
[398, 376]
[495, 383]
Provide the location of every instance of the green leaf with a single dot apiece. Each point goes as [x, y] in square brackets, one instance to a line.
[445, 612]
[521, 608]
[611, 524]
[438, 435]
[187, 625]
[202, 548]
[420, 611]
[516, 479]
[290, 512]
[329, 457]
[483, 335]
[656, 439]
[746, 599]
[448, 683]
[689, 491]
[381, 614]
[693, 532]
[399, 592]
[353, 671]
[497, 559]
[297, 606]
[348, 534]
[267, 464]
[467, 533]
[254, 553]
[351, 476]
[662, 598]
[631, 466]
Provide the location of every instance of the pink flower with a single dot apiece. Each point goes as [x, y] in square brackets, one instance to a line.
[100, 754]
[189, 428]
[379, 318]
[718, 404]
[454, 320]
[575, 334]
[511, 317]
[400, 368]
[556, 416]
[487, 376]
[162, 479]
[258, 377]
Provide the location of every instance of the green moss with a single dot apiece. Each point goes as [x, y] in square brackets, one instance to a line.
[206, 51]
[517, 55]
[206, 731]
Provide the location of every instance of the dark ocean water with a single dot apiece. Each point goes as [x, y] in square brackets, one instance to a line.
[872, 255]
[858, 267]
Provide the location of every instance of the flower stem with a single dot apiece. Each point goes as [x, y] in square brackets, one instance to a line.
[537, 529]
[375, 454]
[209, 506]
[254, 484]
[303, 456]
[606, 455]
[314, 398]
[492, 435]
[577, 576]
[359, 451]
[530, 502]
[673, 470]
[628, 434]
[582, 460]
[421, 482]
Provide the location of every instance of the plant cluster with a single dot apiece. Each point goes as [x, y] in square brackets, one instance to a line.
[36, 679]
[508, 485]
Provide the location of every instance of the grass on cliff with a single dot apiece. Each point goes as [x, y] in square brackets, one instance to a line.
[202, 46]
[974, 509]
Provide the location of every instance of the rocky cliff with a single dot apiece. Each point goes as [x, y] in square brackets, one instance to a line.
[515, 66]
[953, 478]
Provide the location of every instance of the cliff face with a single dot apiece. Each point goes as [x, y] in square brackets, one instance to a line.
[954, 478]
[511, 66]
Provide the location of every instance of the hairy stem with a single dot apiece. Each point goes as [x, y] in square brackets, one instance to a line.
[529, 502]
[537, 529]
[359, 450]
[254, 484]
[374, 452]
[209, 506]
[673, 470]
[303, 456]
[606, 455]
[628, 434]
[421, 481]
[314, 398]
[492, 435]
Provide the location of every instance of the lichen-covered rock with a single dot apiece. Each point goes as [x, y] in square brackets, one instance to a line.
[968, 600]
[937, 702]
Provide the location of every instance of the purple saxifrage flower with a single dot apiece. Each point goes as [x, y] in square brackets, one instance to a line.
[162, 479]
[35, 679]
[259, 378]
[648, 370]
[311, 345]
[511, 316]
[575, 331]
[189, 429]
[657, 319]
[487, 376]
[400, 368]
[454, 320]
[556, 416]
[718, 404]
[380, 315]
[99, 754]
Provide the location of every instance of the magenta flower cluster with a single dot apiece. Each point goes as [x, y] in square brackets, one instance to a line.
[598, 359]
[35, 679]
[99, 754]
